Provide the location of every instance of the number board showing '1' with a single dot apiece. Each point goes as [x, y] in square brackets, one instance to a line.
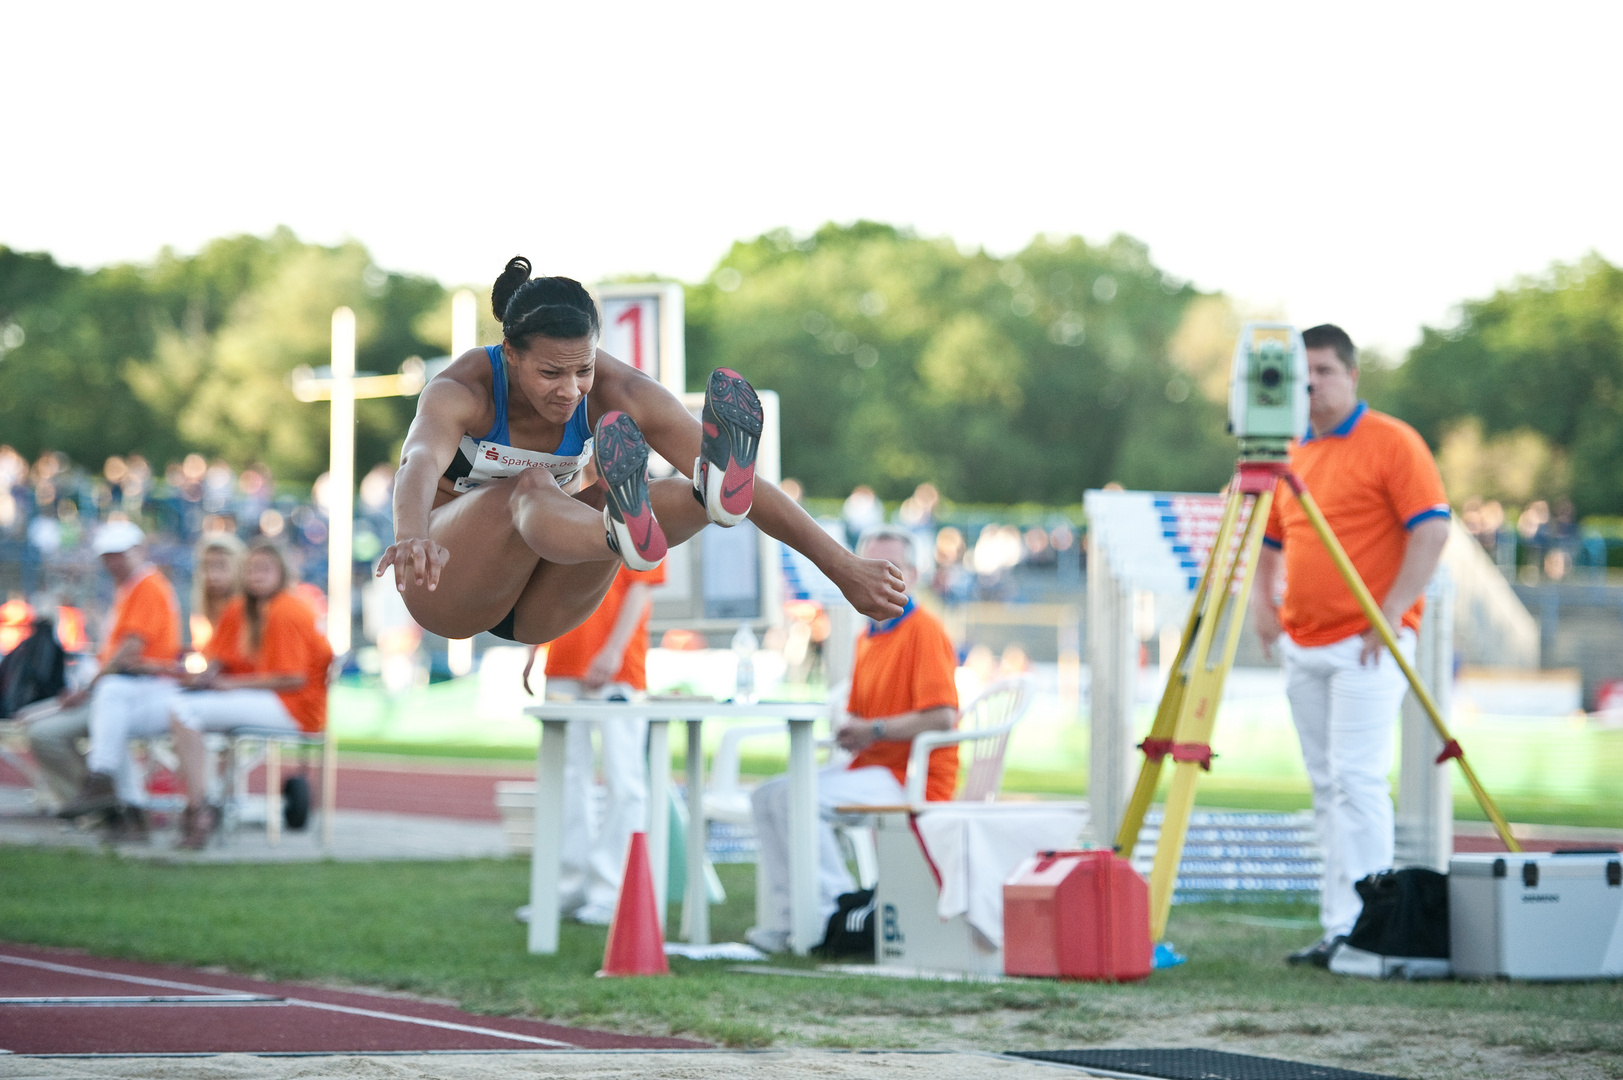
[642, 326]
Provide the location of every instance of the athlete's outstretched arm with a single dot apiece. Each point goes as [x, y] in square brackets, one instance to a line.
[445, 410]
[873, 586]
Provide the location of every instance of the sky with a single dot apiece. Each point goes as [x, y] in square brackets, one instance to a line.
[1372, 165]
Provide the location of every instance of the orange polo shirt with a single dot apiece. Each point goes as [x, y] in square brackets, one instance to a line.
[569, 656]
[146, 607]
[906, 665]
[290, 645]
[1375, 480]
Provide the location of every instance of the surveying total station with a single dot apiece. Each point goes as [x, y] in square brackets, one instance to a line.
[1268, 407]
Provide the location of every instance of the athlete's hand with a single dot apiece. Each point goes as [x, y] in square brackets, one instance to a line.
[874, 587]
[421, 560]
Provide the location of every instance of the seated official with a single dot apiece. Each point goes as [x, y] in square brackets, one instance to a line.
[127, 699]
[901, 686]
[267, 669]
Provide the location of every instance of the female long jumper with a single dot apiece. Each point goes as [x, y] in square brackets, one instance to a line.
[492, 529]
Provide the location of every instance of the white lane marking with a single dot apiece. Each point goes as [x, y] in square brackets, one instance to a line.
[141, 980]
[153, 999]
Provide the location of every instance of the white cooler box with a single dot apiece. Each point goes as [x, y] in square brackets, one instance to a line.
[1536, 915]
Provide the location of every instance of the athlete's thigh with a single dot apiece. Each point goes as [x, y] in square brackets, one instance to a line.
[488, 567]
[558, 598]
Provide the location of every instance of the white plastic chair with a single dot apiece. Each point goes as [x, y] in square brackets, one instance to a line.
[725, 799]
[986, 722]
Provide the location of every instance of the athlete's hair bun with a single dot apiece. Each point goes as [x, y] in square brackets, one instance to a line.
[554, 307]
[516, 274]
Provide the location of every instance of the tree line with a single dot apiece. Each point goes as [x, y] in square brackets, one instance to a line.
[899, 359]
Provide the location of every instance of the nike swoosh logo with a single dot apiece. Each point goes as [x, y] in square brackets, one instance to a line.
[727, 492]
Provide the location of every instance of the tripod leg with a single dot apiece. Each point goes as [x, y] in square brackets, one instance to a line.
[1372, 612]
[1166, 714]
[1191, 752]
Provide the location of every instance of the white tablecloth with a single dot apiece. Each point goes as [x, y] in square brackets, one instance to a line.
[976, 846]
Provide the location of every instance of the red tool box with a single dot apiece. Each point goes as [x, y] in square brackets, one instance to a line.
[1077, 915]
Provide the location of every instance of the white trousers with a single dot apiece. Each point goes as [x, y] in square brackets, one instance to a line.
[592, 854]
[1346, 714]
[223, 710]
[836, 786]
[125, 707]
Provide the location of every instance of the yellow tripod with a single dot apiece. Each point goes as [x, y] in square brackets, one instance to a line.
[1188, 710]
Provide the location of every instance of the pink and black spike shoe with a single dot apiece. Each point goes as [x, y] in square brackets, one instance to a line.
[628, 515]
[724, 474]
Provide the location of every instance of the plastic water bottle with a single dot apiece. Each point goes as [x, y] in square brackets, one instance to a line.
[744, 646]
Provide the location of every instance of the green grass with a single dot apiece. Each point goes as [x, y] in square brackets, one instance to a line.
[448, 751]
[447, 930]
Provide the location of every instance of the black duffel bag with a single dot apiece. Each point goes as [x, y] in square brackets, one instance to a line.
[1405, 914]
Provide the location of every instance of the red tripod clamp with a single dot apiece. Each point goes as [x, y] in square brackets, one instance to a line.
[1158, 749]
[1256, 477]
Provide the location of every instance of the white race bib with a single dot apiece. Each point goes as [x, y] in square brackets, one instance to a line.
[493, 461]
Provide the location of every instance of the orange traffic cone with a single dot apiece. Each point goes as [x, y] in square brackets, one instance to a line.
[636, 947]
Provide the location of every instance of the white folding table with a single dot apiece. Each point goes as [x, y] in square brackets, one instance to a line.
[555, 716]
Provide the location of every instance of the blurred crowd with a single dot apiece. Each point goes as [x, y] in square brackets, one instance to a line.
[1538, 541]
[51, 508]
[969, 557]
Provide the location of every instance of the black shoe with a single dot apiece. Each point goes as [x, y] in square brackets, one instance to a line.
[96, 794]
[1318, 954]
[127, 825]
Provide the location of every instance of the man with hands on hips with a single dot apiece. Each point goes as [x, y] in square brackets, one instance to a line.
[902, 684]
[1382, 495]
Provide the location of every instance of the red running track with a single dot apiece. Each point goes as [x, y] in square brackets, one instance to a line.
[123, 1007]
[435, 789]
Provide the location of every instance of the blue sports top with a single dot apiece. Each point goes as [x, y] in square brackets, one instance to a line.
[493, 456]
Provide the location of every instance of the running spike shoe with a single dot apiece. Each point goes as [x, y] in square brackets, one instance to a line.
[628, 515]
[724, 473]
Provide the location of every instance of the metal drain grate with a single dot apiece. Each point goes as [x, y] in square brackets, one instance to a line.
[1194, 1065]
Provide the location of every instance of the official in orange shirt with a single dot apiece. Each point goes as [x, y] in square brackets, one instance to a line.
[605, 658]
[1381, 493]
[139, 660]
[267, 669]
[901, 686]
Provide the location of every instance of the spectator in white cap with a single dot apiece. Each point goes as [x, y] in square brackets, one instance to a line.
[129, 697]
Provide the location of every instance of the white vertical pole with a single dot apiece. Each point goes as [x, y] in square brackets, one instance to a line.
[464, 336]
[547, 844]
[341, 480]
[1112, 661]
[659, 812]
[806, 924]
[696, 901]
[464, 322]
[1425, 810]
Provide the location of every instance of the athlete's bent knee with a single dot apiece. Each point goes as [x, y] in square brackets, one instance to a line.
[533, 483]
